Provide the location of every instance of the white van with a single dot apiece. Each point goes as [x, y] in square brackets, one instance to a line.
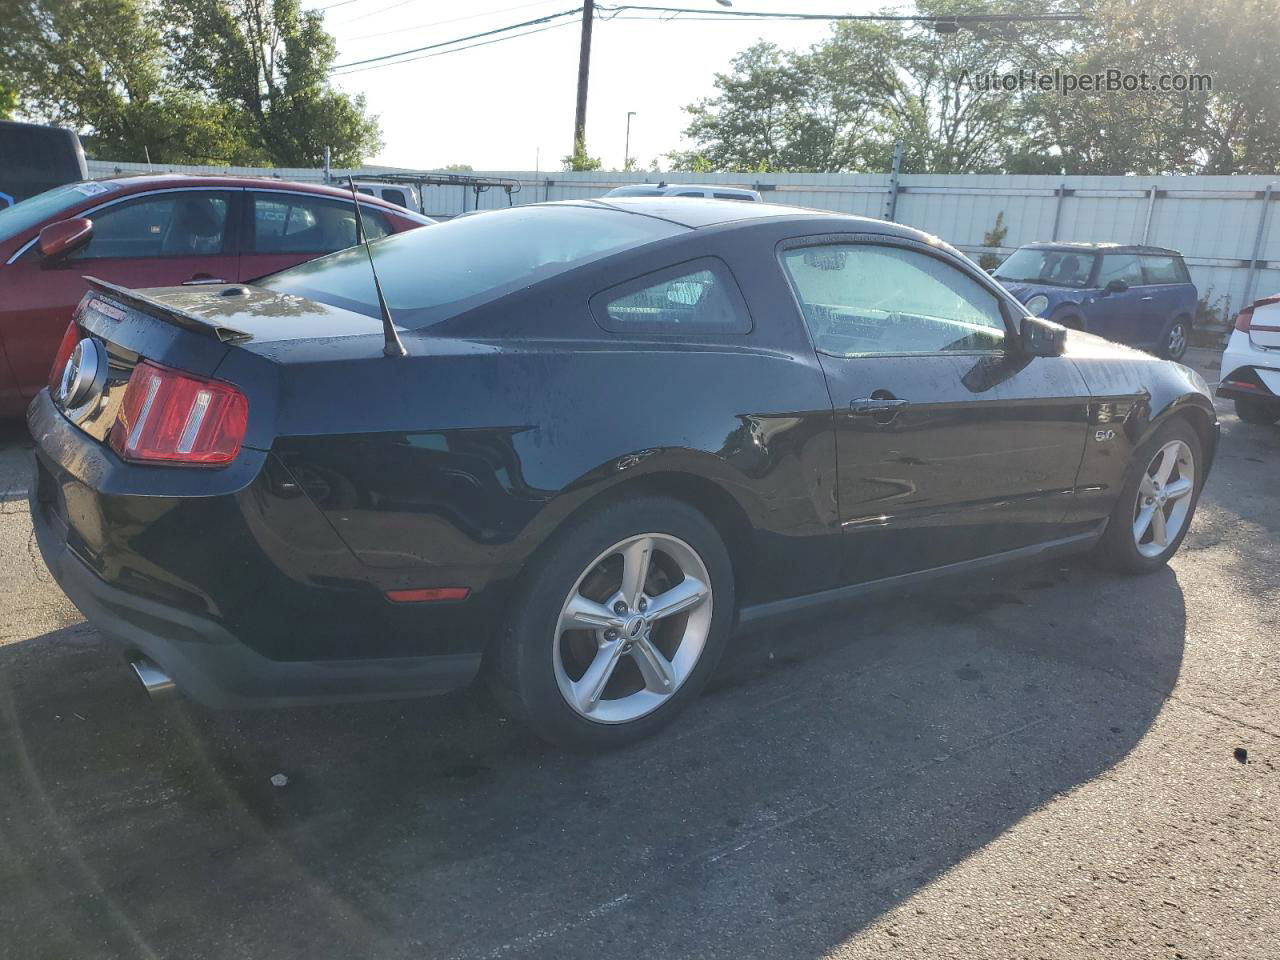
[401, 194]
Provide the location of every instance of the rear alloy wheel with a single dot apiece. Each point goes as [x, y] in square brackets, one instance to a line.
[1157, 502]
[1258, 411]
[1175, 341]
[609, 641]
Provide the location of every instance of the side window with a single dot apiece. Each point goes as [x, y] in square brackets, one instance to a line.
[187, 223]
[864, 299]
[297, 223]
[733, 196]
[395, 196]
[691, 193]
[1163, 270]
[1120, 266]
[692, 298]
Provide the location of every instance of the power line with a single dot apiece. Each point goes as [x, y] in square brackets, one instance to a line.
[706, 14]
[470, 46]
[448, 43]
[441, 23]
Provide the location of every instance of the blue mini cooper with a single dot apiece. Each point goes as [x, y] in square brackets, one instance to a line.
[1137, 295]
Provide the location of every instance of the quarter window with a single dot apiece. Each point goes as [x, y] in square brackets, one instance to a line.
[864, 299]
[1164, 270]
[294, 223]
[177, 224]
[1120, 266]
[693, 298]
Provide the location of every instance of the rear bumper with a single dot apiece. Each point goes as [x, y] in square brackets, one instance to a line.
[217, 669]
[1248, 371]
[199, 583]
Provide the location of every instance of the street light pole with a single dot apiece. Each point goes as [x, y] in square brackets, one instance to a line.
[626, 151]
[584, 71]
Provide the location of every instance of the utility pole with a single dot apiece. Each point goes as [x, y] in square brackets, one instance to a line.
[584, 70]
[626, 151]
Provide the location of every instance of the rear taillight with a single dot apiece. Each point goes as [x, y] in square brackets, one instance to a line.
[1244, 319]
[172, 417]
[69, 340]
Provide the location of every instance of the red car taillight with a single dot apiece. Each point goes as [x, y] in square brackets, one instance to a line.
[1244, 319]
[69, 341]
[173, 417]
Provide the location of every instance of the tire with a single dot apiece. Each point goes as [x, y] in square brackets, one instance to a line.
[1121, 547]
[1176, 339]
[1070, 320]
[541, 667]
[1258, 411]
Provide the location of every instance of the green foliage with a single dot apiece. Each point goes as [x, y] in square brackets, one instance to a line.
[221, 81]
[579, 160]
[841, 104]
[458, 168]
[994, 238]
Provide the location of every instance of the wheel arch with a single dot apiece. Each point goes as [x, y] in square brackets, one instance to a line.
[1202, 419]
[709, 498]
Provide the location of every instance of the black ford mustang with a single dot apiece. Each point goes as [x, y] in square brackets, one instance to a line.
[618, 429]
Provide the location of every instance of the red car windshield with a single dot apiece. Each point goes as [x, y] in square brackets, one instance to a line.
[35, 210]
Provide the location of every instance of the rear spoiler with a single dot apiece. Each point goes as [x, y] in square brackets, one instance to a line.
[170, 313]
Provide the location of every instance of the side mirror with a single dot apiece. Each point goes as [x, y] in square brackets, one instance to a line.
[64, 237]
[1117, 286]
[1042, 338]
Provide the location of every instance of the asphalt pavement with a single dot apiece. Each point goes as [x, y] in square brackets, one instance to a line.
[1047, 762]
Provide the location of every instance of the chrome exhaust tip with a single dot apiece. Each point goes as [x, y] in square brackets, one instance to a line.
[158, 684]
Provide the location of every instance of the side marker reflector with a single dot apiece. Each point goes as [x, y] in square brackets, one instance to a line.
[429, 595]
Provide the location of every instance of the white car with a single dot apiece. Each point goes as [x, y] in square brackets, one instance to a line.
[1251, 364]
[665, 189]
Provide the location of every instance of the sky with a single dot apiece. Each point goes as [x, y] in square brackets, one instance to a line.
[510, 105]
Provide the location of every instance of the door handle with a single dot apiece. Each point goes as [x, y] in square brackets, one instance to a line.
[1144, 299]
[884, 409]
[198, 278]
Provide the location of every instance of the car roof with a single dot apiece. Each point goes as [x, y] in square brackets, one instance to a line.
[134, 182]
[658, 189]
[701, 212]
[704, 211]
[1082, 246]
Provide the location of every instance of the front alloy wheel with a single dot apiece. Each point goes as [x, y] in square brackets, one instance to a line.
[632, 628]
[1164, 498]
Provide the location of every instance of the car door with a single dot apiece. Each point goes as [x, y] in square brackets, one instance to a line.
[1166, 284]
[154, 239]
[951, 444]
[284, 228]
[1123, 317]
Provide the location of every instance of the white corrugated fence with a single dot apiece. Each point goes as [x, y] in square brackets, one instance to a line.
[1224, 226]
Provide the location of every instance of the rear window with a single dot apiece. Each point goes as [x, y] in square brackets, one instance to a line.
[699, 297]
[437, 272]
[1164, 269]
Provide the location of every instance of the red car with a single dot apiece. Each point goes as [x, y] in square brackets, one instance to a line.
[154, 231]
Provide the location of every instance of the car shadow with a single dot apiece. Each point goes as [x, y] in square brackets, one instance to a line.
[835, 766]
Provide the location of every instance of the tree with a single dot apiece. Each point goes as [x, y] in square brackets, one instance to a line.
[176, 81]
[579, 160]
[99, 66]
[269, 61]
[842, 104]
[994, 238]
